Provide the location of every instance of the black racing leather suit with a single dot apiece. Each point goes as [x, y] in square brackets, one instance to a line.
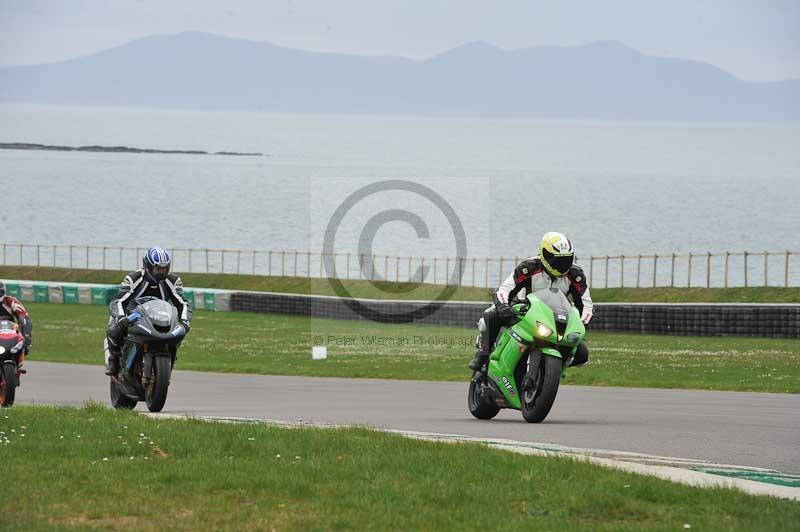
[141, 284]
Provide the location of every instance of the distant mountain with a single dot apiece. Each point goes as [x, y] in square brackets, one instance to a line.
[604, 80]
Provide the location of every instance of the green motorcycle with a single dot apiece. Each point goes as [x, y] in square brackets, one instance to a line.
[529, 358]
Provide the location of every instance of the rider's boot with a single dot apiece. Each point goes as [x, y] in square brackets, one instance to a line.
[113, 356]
[478, 360]
[581, 357]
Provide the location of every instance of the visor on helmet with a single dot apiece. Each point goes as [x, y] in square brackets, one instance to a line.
[159, 272]
[558, 263]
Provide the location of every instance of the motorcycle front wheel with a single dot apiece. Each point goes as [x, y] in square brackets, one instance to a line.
[155, 393]
[8, 385]
[538, 396]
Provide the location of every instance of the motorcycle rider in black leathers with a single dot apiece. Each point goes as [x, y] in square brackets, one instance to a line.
[153, 279]
[553, 267]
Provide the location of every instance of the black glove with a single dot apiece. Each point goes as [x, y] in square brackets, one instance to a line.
[505, 312]
[28, 341]
[186, 325]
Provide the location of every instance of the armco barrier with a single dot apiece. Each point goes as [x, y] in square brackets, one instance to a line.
[94, 294]
[683, 319]
[767, 320]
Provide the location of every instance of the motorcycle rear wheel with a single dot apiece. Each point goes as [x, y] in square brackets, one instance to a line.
[478, 406]
[120, 400]
[155, 393]
[8, 388]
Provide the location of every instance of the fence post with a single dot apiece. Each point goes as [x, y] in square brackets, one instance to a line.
[4, 254]
[486, 274]
[727, 254]
[294, 263]
[638, 268]
[347, 263]
[38, 253]
[70, 256]
[222, 261]
[786, 269]
[672, 272]
[87, 257]
[321, 263]
[689, 273]
[104, 257]
[238, 260]
[435, 264]
[410, 280]
[655, 268]
[622, 271]
[605, 282]
[501, 270]
[447, 271]
[397, 269]
[591, 270]
[386, 267]
[283, 263]
[745, 269]
[766, 261]
[460, 270]
[308, 265]
[473, 271]
[55, 253]
[708, 270]
[422, 270]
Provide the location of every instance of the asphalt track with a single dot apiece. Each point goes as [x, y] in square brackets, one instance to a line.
[738, 428]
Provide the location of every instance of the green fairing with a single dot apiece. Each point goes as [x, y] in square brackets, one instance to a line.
[516, 340]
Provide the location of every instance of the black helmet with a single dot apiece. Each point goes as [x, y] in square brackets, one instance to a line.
[156, 263]
[2, 289]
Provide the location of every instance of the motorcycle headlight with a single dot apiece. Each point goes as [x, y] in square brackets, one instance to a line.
[16, 348]
[543, 330]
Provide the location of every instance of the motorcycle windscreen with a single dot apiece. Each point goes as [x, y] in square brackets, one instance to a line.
[159, 312]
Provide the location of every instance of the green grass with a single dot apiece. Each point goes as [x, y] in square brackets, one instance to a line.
[365, 289]
[281, 345]
[97, 468]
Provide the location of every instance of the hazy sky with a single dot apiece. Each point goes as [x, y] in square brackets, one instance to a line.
[753, 39]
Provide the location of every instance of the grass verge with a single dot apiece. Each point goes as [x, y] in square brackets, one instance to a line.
[387, 290]
[281, 345]
[97, 468]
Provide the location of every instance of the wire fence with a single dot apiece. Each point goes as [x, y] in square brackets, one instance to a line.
[710, 270]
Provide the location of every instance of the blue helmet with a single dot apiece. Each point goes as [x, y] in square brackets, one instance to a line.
[156, 263]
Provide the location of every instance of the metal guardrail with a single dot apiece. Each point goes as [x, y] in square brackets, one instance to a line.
[721, 269]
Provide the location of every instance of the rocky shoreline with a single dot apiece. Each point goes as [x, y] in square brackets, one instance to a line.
[117, 149]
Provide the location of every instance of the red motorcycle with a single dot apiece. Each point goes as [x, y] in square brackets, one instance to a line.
[12, 353]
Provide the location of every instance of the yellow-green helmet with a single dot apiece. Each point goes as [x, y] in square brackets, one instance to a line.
[556, 253]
